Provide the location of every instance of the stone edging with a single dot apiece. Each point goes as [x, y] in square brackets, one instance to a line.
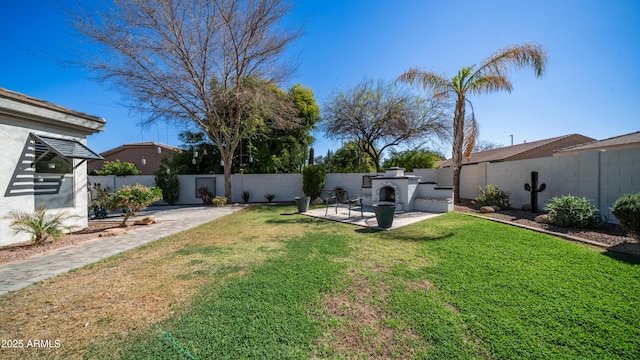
[565, 236]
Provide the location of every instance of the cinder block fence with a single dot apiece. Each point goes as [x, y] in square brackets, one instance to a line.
[601, 176]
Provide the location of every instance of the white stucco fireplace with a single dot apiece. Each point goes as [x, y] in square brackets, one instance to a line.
[408, 193]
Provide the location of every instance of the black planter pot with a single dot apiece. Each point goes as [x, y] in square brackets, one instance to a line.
[302, 202]
[384, 215]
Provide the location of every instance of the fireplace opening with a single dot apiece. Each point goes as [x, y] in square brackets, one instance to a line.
[387, 193]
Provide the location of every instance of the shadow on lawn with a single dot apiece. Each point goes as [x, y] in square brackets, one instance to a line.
[625, 252]
[403, 235]
[295, 220]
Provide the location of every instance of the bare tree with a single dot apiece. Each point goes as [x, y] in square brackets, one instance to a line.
[484, 145]
[210, 63]
[378, 115]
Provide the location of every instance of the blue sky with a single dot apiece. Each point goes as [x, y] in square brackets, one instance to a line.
[591, 86]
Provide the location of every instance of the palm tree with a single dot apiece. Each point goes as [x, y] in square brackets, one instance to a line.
[491, 76]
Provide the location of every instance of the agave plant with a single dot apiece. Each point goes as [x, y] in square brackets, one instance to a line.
[40, 224]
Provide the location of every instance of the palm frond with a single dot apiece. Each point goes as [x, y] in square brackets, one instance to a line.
[427, 80]
[517, 57]
[39, 224]
[471, 133]
[491, 83]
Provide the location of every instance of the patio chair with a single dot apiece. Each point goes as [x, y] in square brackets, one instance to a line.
[340, 197]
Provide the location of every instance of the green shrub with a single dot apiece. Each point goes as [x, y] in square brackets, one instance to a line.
[574, 211]
[219, 200]
[627, 210]
[245, 196]
[135, 198]
[491, 195]
[169, 184]
[313, 179]
[269, 197]
[102, 198]
[118, 168]
[41, 225]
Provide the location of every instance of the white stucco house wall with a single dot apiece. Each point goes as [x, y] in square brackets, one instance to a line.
[44, 156]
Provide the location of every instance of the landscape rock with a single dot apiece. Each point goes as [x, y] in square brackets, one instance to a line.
[542, 219]
[113, 232]
[146, 221]
[526, 207]
[487, 209]
[317, 201]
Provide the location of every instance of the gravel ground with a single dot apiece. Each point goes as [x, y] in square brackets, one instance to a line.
[610, 234]
[23, 250]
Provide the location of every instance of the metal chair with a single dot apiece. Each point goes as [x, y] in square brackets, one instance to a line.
[341, 197]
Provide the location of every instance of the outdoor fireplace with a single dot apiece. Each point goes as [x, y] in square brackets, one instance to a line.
[408, 193]
[387, 193]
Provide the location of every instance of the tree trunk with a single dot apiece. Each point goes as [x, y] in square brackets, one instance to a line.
[458, 139]
[227, 182]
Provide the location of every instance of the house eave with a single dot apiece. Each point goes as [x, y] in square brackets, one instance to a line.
[79, 122]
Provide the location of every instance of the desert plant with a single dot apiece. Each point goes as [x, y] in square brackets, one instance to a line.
[118, 168]
[574, 211]
[491, 195]
[40, 224]
[135, 198]
[101, 199]
[627, 210]
[313, 179]
[168, 182]
[245, 196]
[269, 197]
[205, 194]
[219, 200]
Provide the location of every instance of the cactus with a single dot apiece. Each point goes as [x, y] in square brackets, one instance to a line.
[534, 189]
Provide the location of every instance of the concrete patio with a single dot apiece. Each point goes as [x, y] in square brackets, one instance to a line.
[368, 218]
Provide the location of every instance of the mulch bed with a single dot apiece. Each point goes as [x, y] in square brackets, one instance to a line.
[609, 234]
[23, 250]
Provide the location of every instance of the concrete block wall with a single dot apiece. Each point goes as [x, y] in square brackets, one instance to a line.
[619, 175]
[600, 176]
[285, 187]
[350, 182]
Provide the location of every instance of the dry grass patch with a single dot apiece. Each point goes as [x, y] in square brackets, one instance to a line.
[360, 327]
[120, 298]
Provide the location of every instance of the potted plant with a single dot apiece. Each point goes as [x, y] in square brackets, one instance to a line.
[384, 214]
[205, 195]
[313, 179]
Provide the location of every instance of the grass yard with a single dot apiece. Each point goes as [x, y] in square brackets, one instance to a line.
[267, 283]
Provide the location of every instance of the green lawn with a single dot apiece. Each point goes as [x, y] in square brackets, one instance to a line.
[449, 287]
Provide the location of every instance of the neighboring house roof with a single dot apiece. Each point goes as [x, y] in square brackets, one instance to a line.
[528, 150]
[614, 143]
[140, 145]
[134, 153]
[12, 104]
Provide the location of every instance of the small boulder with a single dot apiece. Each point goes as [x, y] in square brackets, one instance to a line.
[317, 201]
[487, 209]
[146, 221]
[113, 232]
[542, 219]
